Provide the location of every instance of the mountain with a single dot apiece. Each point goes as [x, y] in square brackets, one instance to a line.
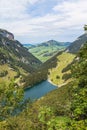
[27, 45]
[46, 50]
[61, 109]
[14, 58]
[77, 44]
[54, 43]
[57, 67]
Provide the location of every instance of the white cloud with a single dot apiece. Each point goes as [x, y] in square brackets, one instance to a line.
[75, 12]
[15, 8]
[67, 16]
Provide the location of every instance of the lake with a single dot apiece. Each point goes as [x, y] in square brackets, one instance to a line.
[39, 90]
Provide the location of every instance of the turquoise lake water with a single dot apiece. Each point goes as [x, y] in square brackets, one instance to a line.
[39, 90]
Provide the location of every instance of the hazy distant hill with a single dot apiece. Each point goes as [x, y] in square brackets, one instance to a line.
[27, 45]
[77, 44]
[54, 43]
[46, 50]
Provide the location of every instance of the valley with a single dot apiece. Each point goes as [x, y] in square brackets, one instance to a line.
[58, 81]
[43, 64]
[46, 50]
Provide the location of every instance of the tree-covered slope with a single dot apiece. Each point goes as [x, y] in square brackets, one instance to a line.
[77, 44]
[17, 59]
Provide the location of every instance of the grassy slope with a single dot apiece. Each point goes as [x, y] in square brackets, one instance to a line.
[56, 74]
[40, 51]
[11, 73]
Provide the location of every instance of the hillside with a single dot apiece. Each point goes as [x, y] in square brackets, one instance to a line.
[77, 44]
[71, 99]
[62, 109]
[56, 75]
[56, 69]
[46, 50]
[14, 58]
[60, 74]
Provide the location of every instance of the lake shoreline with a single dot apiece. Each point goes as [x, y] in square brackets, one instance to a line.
[40, 83]
[52, 82]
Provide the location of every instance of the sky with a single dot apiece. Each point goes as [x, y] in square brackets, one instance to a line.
[36, 21]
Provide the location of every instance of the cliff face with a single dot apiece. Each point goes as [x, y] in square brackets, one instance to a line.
[6, 34]
[13, 52]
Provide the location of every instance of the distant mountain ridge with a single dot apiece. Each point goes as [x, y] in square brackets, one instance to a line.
[54, 43]
[28, 45]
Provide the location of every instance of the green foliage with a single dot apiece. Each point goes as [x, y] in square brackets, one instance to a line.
[66, 76]
[58, 100]
[77, 125]
[79, 102]
[57, 76]
[35, 118]
[35, 78]
[3, 73]
[49, 120]
[11, 97]
[85, 27]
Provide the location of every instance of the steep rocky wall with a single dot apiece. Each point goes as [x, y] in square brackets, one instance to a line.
[7, 34]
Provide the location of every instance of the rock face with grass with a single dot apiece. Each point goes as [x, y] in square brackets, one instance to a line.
[13, 51]
[6, 34]
[14, 58]
[77, 44]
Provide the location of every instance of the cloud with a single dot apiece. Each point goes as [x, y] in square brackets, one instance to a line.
[60, 17]
[74, 12]
[15, 8]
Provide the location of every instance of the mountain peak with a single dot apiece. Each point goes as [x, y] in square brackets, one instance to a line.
[6, 34]
[54, 43]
